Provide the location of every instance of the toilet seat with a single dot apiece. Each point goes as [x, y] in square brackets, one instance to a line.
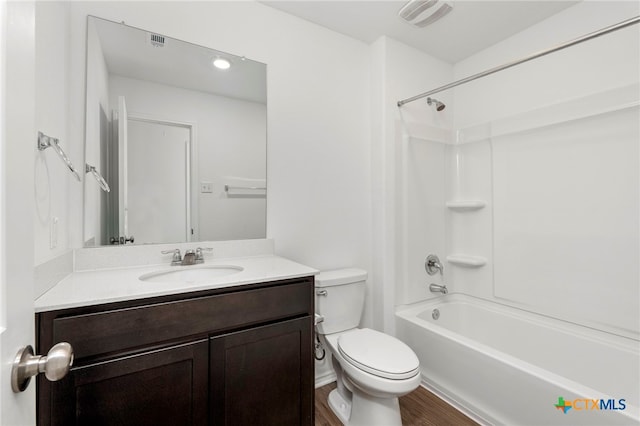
[378, 354]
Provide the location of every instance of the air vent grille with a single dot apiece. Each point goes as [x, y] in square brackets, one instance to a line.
[424, 12]
[156, 40]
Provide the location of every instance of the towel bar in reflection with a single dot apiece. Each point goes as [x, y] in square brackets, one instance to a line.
[88, 168]
[228, 188]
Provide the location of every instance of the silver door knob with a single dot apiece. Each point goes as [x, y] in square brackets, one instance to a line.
[55, 365]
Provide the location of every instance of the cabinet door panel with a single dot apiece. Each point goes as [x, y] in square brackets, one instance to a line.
[164, 387]
[263, 376]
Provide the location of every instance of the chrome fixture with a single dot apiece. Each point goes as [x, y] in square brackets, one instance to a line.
[200, 255]
[601, 32]
[432, 265]
[434, 102]
[435, 314]
[424, 12]
[189, 258]
[321, 292]
[435, 288]
[228, 188]
[45, 142]
[55, 365]
[121, 240]
[318, 351]
[177, 257]
[88, 168]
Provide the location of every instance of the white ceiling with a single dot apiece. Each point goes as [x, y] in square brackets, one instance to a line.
[472, 25]
[127, 52]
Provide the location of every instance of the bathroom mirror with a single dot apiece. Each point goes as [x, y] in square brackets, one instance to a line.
[178, 131]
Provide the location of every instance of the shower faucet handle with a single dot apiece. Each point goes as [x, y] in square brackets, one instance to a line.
[432, 265]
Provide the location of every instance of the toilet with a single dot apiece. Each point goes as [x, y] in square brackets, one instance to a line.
[373, 369]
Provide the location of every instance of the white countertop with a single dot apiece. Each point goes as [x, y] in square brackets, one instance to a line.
[94, 287]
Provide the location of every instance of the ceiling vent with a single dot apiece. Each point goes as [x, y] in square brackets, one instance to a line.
[424, 12]
[156, 40]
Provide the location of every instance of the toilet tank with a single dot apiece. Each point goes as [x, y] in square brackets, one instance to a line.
[340, 299]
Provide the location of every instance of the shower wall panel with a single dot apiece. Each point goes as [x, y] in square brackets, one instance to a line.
[566, 209]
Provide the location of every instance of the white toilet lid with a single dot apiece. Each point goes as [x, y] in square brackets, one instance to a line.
[379, 354]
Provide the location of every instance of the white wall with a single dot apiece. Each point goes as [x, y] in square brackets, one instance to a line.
[560, 231]
[230, 142]
[53, 180]
[565, 74]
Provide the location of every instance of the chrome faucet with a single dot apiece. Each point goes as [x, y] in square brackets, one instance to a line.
[435, 288]
[189, 258]
[177, 257]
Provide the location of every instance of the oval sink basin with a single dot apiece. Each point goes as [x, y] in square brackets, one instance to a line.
[190, 274]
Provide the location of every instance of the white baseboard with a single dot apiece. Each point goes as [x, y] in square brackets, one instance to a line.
[325, 379]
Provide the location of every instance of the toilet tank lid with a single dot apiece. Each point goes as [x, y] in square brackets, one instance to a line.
[340, 276]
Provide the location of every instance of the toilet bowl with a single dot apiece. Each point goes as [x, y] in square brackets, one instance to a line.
[372, 369]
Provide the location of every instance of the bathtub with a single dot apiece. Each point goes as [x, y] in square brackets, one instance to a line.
[503, 365]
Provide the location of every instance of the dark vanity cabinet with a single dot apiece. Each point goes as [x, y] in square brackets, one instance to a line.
[234, 356]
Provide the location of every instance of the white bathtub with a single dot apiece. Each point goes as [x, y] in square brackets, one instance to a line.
[507, 366]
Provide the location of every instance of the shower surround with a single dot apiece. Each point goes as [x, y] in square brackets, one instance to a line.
[527, 188]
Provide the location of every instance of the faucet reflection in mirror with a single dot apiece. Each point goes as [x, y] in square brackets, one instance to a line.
[168, 139]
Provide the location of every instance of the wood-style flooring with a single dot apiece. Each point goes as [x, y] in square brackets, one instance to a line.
[419, 408]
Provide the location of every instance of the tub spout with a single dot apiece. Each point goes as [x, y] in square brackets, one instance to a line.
[435, 288]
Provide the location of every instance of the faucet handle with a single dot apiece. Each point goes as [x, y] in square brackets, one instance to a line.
[177, 258]
[200, 255]
[432, 265]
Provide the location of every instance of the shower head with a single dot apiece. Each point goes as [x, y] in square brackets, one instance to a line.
[439, 105]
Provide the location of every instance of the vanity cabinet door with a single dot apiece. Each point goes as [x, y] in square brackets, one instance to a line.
[163, 387]
[263, 376]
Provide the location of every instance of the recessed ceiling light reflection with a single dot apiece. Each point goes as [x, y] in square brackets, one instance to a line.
[221, 63]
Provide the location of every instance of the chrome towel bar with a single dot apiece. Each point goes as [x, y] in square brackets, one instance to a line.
[228, 188]
[88, 168]
[45, 142]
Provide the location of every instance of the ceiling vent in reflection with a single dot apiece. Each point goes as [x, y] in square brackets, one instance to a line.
[424, 12]
[156, 40]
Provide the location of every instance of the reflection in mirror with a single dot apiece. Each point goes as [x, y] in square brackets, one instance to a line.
[180, 141]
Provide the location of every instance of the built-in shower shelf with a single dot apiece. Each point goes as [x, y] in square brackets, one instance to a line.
[466, 260]
[466, 205]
